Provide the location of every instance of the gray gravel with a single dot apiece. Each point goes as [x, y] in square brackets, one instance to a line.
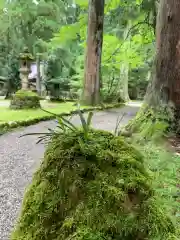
[20, 157]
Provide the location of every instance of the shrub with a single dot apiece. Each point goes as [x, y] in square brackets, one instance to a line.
[91, 188]
[58, 99]
[25, 100]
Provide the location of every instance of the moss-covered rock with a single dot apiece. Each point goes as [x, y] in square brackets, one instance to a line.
[25, 100]
[91, 189]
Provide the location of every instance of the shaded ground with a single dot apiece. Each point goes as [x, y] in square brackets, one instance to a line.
[19, 157]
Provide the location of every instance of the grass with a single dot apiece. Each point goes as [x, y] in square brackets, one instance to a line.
[8, 115]
[165, 167]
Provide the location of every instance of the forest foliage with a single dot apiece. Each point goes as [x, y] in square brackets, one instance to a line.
[58, 30]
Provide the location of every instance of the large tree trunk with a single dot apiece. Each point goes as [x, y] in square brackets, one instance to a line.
[91, 90]
[165, 85]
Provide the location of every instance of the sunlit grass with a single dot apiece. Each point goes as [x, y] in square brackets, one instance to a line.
[7, 115]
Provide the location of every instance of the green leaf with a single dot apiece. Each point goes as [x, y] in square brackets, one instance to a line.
[89, 118]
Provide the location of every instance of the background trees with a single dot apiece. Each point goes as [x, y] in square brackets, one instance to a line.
[165, 84]
[58, 30]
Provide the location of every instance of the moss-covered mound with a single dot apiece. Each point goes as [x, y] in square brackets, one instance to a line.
[25, 100]
[91, 190]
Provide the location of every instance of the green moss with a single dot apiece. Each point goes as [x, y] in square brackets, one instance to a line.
[91, 189]
[165, 168]
[25, 100]
[151, 122]
[26, 55]
[24, 93]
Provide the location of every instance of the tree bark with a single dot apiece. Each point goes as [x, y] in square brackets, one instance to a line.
[91, 89]
[124, 68]
[124, 78]
[165, 85]
[38, 79]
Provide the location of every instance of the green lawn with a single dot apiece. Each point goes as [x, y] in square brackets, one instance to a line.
[8, 115]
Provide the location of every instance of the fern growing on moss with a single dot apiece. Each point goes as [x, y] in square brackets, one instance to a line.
[65, 125]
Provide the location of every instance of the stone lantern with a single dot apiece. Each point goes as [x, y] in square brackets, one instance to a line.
[25, 68]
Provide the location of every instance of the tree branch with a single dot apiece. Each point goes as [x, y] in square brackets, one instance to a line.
[132, 28]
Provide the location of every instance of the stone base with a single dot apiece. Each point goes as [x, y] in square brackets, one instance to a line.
[25, 100]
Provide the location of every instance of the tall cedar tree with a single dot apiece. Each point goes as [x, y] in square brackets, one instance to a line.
[165, 85]
[92, 76]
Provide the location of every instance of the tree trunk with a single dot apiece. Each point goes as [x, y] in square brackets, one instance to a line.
[91, 89]
[165, 85]
[124, 78]
[38, 79]
[124, 68]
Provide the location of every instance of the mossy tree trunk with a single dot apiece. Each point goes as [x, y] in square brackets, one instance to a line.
[91, 90]
[165, 85]
[162, 100]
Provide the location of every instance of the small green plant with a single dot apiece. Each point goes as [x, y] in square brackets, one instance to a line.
[65, 125]
[119, 119]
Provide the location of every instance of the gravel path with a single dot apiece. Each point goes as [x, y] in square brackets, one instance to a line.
[19, 157]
